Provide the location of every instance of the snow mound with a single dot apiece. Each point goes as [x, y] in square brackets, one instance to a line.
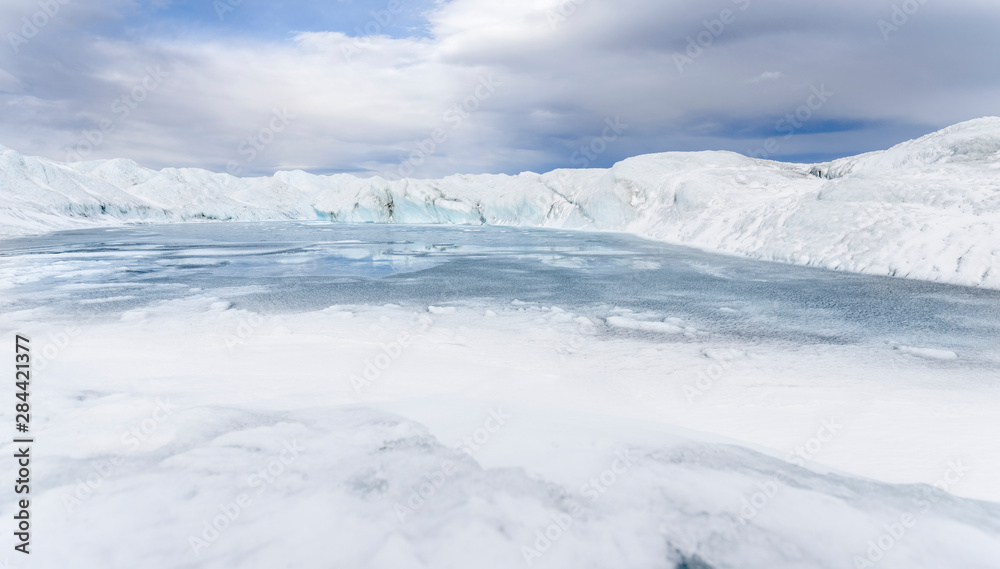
[926, 209]
[644, 326]
[929, 353]
[971, 142]
[368, 489]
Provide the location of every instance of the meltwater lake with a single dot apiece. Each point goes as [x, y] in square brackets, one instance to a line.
[275, 267]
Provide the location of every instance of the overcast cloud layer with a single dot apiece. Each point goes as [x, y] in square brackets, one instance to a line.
[431, 88]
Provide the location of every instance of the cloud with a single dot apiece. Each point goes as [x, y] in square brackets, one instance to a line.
[369, 103]
[767, 76]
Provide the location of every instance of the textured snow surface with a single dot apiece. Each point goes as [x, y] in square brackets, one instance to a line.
[925, 209]
[198, 452]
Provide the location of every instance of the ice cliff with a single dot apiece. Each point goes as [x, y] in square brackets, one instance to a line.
[925, 209]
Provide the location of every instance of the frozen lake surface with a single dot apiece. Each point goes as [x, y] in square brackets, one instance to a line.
[300, 266]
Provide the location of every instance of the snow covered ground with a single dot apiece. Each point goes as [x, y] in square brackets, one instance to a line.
[312, 395]
[926, 209]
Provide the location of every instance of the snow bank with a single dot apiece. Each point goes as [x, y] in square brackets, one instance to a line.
[925, 209]
[366, 489]
[223, 438]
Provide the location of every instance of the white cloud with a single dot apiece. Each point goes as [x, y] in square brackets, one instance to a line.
[559, 81]
[768, 76]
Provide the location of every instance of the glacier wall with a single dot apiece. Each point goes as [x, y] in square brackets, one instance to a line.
[925, 209]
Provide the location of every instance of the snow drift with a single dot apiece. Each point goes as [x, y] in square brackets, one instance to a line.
[925, 209]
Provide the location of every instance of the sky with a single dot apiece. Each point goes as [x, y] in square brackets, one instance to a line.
[428, 88]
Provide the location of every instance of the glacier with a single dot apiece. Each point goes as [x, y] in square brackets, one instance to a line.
[224, 387]
[925, 209]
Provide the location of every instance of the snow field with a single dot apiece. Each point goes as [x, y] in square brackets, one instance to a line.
[502, 436]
